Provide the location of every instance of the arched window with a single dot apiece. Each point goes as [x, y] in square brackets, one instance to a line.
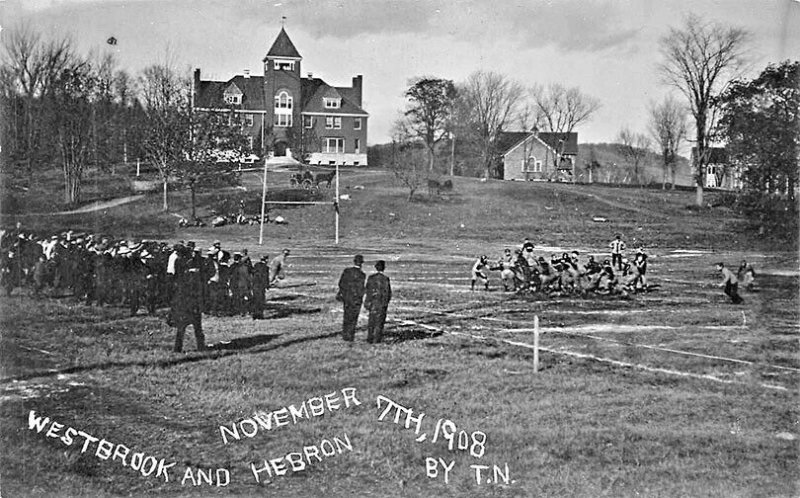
[283, 101]
[283, 109]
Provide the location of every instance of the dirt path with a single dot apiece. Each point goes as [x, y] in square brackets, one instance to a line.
[95, 206]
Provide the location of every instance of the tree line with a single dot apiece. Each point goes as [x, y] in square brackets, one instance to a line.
[457, 124]
[73, 111]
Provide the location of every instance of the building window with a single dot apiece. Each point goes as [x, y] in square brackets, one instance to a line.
[333, 122]
[308, 121]
[282, 65]
[357, 145]
[248, 119]
[283, 101]
[233, 99]
[357, 124]
[331, 103]
[250, 142]
[283, 120]
[334, 145]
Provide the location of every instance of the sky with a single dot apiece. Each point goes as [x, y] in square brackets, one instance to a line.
[607, 48]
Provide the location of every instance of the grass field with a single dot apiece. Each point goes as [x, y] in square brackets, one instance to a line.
[670, 393]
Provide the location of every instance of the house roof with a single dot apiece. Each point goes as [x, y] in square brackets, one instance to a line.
[554, 141]
[210, 94]
[317, 89]
[283, 47]
[507, 140]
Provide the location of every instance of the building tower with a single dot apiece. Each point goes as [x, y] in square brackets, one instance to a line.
[282, 91]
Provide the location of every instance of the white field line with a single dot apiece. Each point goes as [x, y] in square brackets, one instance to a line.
[566, 331]
[610, 361]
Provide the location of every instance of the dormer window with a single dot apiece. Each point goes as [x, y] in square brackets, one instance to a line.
[283, 65]
[331, 103]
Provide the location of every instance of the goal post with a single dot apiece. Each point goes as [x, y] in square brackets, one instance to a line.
[264, 203]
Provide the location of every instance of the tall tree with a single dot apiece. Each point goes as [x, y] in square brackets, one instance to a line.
[761, 124]
[668, 130]
[560, 109]
[490, 101]
[429, 109]
[634, 147]
[31, 65]
[166, 103]
[72, 105]
[212, 154]
[700, 59]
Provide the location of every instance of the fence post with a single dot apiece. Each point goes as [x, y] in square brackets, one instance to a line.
[535, 343]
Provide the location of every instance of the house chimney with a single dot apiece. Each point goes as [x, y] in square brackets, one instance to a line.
[310, 75]
[246, 73]
[358, 82]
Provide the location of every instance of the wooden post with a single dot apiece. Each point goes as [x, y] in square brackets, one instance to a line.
[337, 203]
[535, 343]
[263, 205]
[137, 167]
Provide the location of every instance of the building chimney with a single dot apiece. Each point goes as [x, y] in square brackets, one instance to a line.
[310, 75]
[358, 82]
[246, 73]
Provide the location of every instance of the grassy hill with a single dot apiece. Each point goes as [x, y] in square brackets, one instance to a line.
[614, 166]
[673, 392]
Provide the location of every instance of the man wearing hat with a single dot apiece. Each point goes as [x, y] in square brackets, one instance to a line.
[351, 294]
[378, 295]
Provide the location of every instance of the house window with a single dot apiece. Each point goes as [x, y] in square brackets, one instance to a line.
[357, 145]
[281, 65]
[248, 119]
[284, 120]
[333, 122]
[250, 142]
[331, 103]
[357, 124]
[308, 121]
[334, 145]
[233, 99]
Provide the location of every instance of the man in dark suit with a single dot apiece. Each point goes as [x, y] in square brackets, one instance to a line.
[351, 294]
[187, 302]
[378, 295]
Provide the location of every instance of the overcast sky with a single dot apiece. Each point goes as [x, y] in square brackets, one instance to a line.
[607, 48]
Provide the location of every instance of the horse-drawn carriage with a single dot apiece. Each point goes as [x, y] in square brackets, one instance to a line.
[307, 180]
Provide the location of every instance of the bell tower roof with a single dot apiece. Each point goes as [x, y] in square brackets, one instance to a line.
[283, 47]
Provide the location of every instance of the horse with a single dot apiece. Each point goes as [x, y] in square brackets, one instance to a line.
[325, 177]
[439, 187]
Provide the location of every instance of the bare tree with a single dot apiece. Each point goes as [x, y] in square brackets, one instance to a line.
[430, 102]
[165, 98]
[560, 110]
[30, 66]
[668, 130]
[634, 146]
[491, 100]
[407, 159]
[700, 59]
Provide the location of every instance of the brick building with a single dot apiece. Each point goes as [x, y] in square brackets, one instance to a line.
[285, 113]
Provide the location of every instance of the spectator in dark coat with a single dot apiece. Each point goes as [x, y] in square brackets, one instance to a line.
[378, 295]
[260, 285]
[187, 305]
[351, 294]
